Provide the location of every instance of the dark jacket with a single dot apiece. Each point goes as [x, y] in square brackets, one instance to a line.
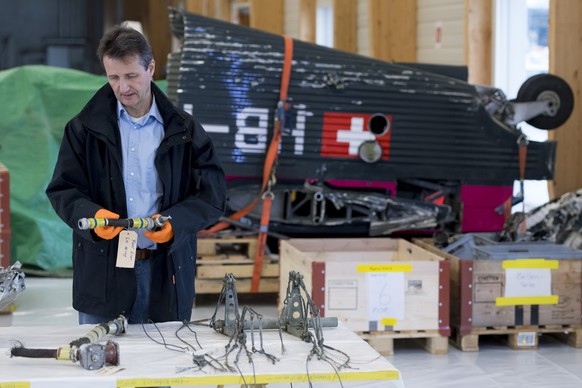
[88, 177]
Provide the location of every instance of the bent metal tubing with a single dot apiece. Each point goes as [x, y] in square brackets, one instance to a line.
[90, 354]
[148, 223]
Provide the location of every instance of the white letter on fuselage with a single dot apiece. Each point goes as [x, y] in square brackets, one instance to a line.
[245, 133]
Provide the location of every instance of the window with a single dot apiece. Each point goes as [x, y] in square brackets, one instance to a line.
[324, 23]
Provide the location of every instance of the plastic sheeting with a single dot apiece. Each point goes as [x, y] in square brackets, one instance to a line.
[35, 104]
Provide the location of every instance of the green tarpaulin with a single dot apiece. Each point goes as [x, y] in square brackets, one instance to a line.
[35, 104]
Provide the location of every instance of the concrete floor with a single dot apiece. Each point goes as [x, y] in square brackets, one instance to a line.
[47, 301]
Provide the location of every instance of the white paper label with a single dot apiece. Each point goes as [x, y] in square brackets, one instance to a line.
[126, 249]
[521, 282]
[385, 295]
[342, 295]
[526, 339]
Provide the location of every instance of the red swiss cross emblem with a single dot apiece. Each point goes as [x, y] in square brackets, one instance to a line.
[343, 133]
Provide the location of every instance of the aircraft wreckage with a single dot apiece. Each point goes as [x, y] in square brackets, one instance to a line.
[367, 147]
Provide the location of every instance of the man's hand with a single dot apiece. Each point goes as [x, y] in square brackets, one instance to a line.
[107, 232]
[165, 234]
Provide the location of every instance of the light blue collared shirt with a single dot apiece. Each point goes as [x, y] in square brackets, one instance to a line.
[140, 138]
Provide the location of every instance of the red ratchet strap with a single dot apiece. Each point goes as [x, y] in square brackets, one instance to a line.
[272, 152]
[522, 143]
[522, 158]
[268, 174]
[268, 171]
[261, 241]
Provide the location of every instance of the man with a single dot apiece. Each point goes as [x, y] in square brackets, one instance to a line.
[131, 153]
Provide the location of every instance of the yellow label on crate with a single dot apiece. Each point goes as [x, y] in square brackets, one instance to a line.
[530, 263]
[388, 321]
[384, 268]
[526, 300]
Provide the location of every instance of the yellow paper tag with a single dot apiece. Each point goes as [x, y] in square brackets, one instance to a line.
[126, 249]
[384, 268]
[388, 321]
[526, 300]
[530, 263]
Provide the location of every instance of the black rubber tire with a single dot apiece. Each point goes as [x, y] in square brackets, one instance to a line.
[440, 238]
[532, 90]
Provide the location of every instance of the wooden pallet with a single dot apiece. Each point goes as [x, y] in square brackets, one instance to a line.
[219, 256]
[519, 337]
[227, 248]
[383, 341]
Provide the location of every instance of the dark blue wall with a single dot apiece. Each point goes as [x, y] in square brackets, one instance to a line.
[62, 33]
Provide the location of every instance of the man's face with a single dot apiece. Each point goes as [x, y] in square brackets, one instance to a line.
[130, 83]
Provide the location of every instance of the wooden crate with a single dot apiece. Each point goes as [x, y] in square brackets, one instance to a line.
[4, 217]
[236, 255]
[479, 305]
[5, 236]
[382, 288]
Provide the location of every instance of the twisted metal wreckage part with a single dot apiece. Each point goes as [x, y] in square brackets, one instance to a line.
[298, 315]
[11, 284]
[86, 350]
[298, 318]
[234, 324]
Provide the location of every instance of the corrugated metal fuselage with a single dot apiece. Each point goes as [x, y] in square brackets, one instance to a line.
[431, 126]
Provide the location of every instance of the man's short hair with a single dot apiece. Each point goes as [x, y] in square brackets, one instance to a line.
[122, 42]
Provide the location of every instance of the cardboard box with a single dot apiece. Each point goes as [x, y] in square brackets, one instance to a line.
[371, 284]
[512, 284]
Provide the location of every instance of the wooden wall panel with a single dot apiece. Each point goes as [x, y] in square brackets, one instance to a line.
[299, 19]
[440, 28]
[363, 28]
[478, 41]
[565, 43]
[218, 9]
[199, 7]
[153, 15]
[267, 15]
[291, 18]
[344, 25]
[307, 17]
[222, 10]
[392, 30]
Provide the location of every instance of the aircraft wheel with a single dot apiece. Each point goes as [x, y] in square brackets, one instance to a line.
[548, 87]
